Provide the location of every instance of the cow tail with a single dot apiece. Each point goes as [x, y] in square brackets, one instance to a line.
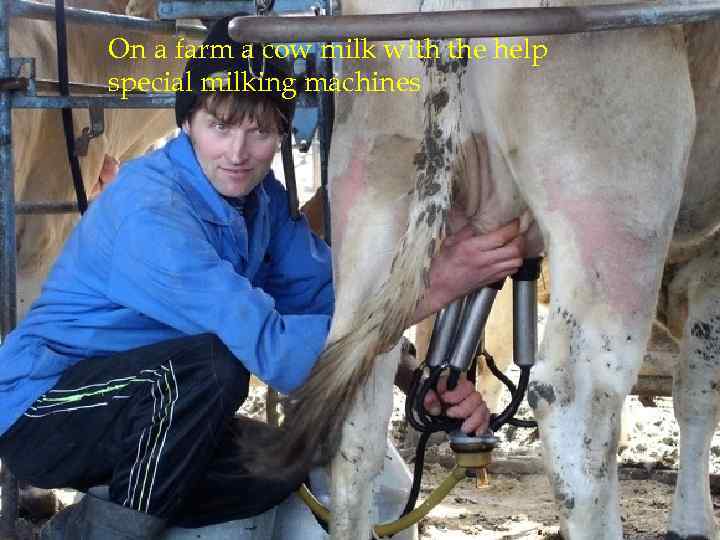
[314, 415]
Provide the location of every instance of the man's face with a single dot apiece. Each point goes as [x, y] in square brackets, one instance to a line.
[234, 157]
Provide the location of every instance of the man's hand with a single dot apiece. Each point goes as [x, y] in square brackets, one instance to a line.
[464, 403]
[468, 261]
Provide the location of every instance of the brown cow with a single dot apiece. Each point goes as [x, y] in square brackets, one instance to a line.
[41, 166]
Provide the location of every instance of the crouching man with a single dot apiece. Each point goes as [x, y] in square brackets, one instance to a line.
[184, 277]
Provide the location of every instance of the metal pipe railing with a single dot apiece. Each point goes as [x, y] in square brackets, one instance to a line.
[22, 84]
[46, 207]
[146, 101]
[36, 10]
[470, 23]
[97, 95]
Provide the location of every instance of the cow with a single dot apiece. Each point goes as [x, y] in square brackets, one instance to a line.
[611, 144]
[42, 171]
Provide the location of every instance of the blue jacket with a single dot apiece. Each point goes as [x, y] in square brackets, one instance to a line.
[161, 255]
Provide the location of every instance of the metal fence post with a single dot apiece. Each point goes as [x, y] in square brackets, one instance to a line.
[7, 252]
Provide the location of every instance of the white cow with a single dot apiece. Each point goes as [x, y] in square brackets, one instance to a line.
[498, 330]
[42, 171]
[596, 143]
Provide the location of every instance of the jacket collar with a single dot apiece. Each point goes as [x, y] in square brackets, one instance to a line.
[209, 204]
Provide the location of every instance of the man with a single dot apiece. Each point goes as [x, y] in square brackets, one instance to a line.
[184, 277]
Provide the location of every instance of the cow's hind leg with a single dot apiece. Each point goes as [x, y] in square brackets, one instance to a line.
[696, 398]
[362, 452]
[372, 190]
[588, 362]
[368, 220]
[607, 203]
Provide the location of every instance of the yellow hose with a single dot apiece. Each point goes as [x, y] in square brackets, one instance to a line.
[315, 506]
[394, 527]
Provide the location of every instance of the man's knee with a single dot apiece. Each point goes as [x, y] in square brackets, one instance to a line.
[231, 376]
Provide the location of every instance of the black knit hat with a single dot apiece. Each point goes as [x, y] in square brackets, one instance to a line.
[200, 68]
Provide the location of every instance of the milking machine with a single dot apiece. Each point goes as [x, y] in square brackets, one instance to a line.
[453, 349]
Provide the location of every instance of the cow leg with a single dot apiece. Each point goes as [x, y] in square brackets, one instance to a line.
[594, 342]
[696, 384]
[366, 231]
[367, 225]
[362, 453]
[604, 183]
[696, 399]
[372, 178]
[587, 364]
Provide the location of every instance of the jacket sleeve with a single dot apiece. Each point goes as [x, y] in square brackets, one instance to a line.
[164, 267]
[299, 277]
[300, 271]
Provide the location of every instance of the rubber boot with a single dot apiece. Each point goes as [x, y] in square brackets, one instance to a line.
[95, 518]
[60, 525]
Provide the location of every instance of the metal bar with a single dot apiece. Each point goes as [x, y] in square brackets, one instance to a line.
[7, 190]
[17, 83]
[7, 254]
[48, 85]
[199, 9]
[289, 172]
[76, 16]
[326, 114]
[470, 23]
[146, 101]
[95, 92]
[46, 207]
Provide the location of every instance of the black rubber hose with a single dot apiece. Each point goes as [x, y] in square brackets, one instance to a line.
[67, 115]
[501, 419]
[517, 422]
[490, 361]
[417, 473]
[421, 420]
[415, 412]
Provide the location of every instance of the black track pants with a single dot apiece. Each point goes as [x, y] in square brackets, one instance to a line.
[157, 425]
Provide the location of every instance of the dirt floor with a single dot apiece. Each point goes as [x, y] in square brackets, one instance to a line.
[518, 502]
[520, 506]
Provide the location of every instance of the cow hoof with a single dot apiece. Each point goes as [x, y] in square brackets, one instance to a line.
[675, 536]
